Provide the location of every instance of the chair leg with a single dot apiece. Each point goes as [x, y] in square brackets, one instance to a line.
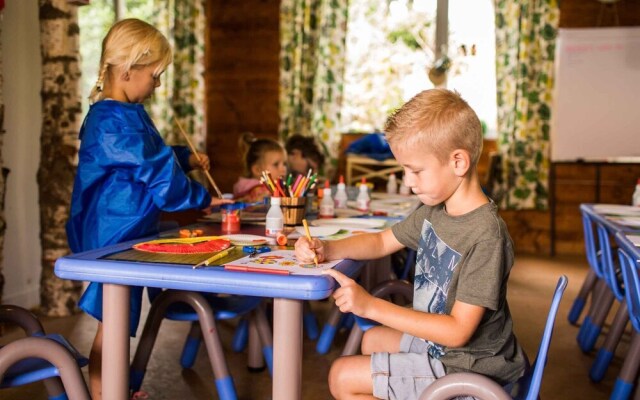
[353, 341]
[591, 327]
[578, 304]
[329, 330]
[266, 336]
[255, 361]
[310, 322]
[608, 349]
[627, 376]
[191, 346]
[147, 340]
[241, 335]
[55, 389]
[224, 383]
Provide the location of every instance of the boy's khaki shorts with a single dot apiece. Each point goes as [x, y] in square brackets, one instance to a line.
[404, 375]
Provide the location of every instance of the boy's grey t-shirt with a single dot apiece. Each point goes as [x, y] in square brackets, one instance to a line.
[466, 258]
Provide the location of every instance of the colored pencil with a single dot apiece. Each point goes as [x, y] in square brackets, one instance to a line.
[306, 229]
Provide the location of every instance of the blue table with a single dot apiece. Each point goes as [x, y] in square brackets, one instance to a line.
[288, 291]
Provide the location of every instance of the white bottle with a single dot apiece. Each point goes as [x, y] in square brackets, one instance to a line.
[275, 219]
[326, 207]
[392, 184]
[635, 200]
[340, 199]
[404, 190]
[363, 200]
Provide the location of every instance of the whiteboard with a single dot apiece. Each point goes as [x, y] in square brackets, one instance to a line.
[596, 112]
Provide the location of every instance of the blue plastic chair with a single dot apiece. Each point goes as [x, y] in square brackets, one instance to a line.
[602, 297]
[624, 384]
[613, 279]
[43, 357]
[589, 283]
[202, 310]
[482, 387]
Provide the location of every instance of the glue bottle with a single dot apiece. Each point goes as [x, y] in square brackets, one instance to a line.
[327, 207]
[392, 184]
[404, 190]
[341, 198]
[275, 219]
[635, 200]
[363, 200]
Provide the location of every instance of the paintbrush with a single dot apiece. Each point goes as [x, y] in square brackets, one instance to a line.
[213, 258]
[195, 153]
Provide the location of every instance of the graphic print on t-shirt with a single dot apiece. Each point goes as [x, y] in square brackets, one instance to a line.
[435, 264]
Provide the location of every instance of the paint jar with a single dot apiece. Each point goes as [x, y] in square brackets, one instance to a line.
[230, 214]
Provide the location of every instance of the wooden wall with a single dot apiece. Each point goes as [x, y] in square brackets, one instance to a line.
[242, 95]
[242, 72]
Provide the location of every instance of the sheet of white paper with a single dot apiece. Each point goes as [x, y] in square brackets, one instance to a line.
[283, 260]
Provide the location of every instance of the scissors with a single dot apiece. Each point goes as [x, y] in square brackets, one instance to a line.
[255, 250]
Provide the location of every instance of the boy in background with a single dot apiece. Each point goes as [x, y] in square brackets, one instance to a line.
[303, 154]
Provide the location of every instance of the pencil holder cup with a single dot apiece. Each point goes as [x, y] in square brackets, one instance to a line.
[293, 210]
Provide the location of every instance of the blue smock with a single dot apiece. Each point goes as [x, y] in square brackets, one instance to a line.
[126, 176]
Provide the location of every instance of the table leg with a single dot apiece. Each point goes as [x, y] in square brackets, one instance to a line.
[115, 341]
[287, 349]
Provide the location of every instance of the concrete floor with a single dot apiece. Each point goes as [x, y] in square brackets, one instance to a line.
[530, 288]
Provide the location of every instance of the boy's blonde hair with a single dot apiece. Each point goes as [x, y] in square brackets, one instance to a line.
[130, 42]
[437, 120]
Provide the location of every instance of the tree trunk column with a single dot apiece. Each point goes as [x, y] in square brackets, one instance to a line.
[61, 113]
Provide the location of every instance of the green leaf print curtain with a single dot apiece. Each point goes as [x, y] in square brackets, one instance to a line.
[312, 60]
[183, 22]
[525, 46]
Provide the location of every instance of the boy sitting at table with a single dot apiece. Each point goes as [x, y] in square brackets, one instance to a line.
[460, 320]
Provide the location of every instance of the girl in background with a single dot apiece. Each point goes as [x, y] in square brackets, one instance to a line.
[126, 174]
[259, 155]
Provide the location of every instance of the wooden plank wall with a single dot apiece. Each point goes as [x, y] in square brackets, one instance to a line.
[242, 95]
[242, 72]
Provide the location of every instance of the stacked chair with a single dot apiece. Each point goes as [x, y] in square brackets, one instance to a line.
[628, 374]
[40, 357]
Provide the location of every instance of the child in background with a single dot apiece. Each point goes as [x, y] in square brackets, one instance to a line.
[303, 154]
[126, 174]
[460, 320]
[259, 155]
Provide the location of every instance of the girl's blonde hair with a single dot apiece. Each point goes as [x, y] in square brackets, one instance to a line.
[130, 42]
[254, 149]
[438, 121]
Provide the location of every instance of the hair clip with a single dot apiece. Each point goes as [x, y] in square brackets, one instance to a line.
[100, 85]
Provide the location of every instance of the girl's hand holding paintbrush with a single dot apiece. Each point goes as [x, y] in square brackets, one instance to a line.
[199, 161]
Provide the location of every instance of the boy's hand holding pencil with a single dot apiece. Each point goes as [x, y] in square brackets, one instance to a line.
[308, 250]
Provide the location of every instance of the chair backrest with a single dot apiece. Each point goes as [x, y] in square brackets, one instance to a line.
[477, 385]
[531, 382]
[590, 243]
[607, 263]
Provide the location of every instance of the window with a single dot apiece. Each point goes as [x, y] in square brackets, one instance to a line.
[390, 52]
